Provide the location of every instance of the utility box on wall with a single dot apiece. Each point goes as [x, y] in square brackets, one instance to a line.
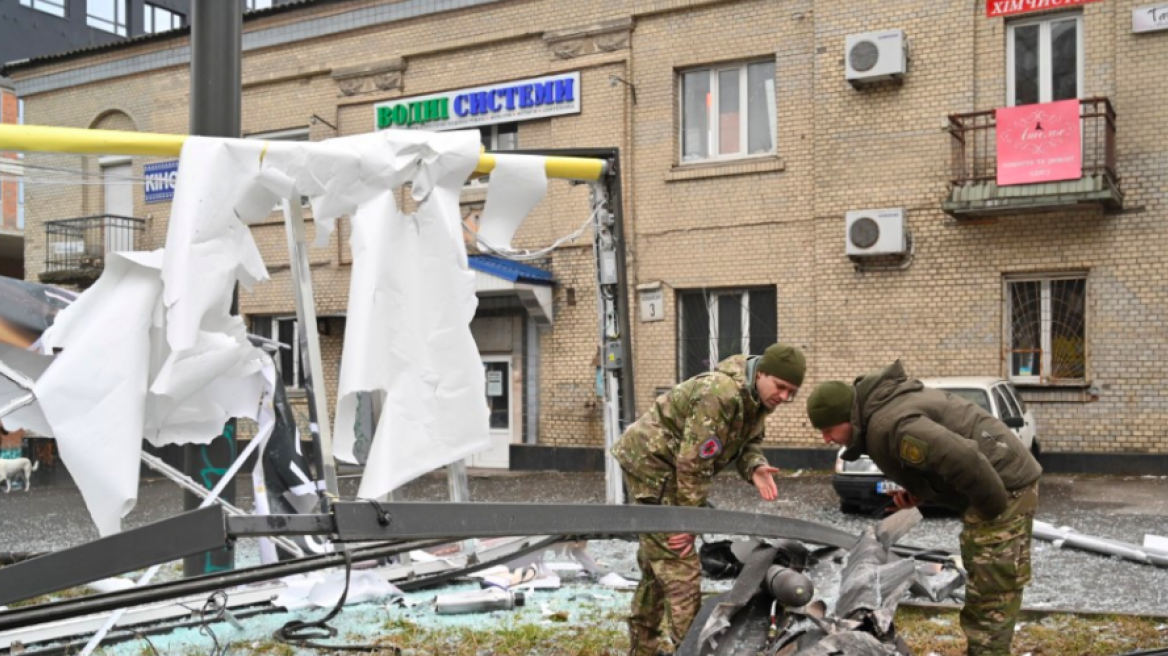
[875, 232]
[876, 57]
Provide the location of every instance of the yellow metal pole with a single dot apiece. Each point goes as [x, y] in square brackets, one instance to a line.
[39, 139]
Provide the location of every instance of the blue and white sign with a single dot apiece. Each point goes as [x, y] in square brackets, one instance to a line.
[521, 100]
[160, 180]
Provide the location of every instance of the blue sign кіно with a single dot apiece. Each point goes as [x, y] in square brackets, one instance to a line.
[160, 180]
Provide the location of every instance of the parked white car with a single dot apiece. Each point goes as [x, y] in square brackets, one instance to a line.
[863, 488]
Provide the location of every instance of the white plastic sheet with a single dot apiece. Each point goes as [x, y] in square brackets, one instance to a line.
[411, 301]
[151, 350]
[117, 380]
[518, 184]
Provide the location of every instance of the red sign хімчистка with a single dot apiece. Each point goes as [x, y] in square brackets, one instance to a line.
[995, 8]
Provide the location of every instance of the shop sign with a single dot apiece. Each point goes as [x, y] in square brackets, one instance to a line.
[1039, 143]
[160, 180]
[523, 100]
[1150, 18]
[996, 8]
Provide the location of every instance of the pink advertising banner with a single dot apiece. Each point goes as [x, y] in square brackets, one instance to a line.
[1039, 143]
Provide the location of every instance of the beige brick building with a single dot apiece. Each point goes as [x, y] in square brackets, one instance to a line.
[743, 150]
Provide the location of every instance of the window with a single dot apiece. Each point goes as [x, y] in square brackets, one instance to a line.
[976, 396]
[1044, 60]
[160, 19]
[283, 330]
[713, 325]
[1005, 409]
[728, 112]
[54, 7]
[107, 15]
[1046, 329]
[501, 136]
[255, 5]
[1017, 399]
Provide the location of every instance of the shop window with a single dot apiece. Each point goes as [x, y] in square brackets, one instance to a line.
[714, 325]
[1044, 60]
[1046, 329]
[107, 15]
[54, 7]
[288, 361]
[160, 19]
[495, 138]
[728, 112]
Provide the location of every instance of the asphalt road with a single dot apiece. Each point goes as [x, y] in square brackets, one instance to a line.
[1114, 507]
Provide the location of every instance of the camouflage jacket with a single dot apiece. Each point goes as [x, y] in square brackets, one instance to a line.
[694, 431]
[940, 447]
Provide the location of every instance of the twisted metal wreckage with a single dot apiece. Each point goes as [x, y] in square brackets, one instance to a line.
[347, 527]
[769, 610]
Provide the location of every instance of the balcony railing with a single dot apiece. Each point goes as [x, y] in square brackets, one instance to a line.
[973, 179]
[75, 249]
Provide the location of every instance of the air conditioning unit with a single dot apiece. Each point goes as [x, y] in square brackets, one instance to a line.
[876, 56]
[876, 232]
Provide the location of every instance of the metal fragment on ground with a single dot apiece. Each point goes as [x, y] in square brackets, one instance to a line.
[1065, 536]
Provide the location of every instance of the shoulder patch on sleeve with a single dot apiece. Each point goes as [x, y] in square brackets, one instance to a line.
[710, 448]
[913, 450]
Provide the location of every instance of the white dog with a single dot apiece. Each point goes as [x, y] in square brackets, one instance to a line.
[22, 466]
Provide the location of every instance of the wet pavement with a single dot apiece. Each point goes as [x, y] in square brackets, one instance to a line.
[1121, 508]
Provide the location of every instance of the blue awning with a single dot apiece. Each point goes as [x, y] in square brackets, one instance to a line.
[510, 270]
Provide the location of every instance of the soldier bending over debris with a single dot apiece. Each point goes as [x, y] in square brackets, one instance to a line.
[670, 456]
[946, 449]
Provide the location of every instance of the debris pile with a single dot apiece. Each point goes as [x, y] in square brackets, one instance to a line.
[770, 609]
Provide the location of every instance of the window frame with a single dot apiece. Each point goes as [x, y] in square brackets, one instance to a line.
[712, 298]
[292, 381]
[1045, 92]
[121, 13]
[713, 132]
[38, 5]
[1046, 338]
[149, 18]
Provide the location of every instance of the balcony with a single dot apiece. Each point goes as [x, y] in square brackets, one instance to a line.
[974, 191]
[75, 249]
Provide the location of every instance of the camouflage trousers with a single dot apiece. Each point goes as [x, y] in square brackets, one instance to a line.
[670, 585]
[996, 553]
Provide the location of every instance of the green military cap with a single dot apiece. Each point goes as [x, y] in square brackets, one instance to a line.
[830, 404]
[784, 362]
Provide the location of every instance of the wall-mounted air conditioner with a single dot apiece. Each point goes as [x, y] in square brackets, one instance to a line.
[876, 232]
[876, 57]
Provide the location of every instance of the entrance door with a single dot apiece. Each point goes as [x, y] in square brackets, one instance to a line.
[1044, 60]
[119, 202]
[499, 400]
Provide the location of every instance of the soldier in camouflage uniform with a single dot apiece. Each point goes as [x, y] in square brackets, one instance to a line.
[946, 449]
[670, 456]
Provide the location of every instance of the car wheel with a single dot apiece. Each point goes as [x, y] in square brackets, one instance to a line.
[1035, 449]
[848, 508]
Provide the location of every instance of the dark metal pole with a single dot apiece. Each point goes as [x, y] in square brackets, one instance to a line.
[628, 393]
[216, 83]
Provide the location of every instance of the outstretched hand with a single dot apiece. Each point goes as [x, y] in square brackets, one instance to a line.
[903, 499]
[764, 480]
[682, 543]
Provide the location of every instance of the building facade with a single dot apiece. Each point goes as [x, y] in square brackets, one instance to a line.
[831, 174]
